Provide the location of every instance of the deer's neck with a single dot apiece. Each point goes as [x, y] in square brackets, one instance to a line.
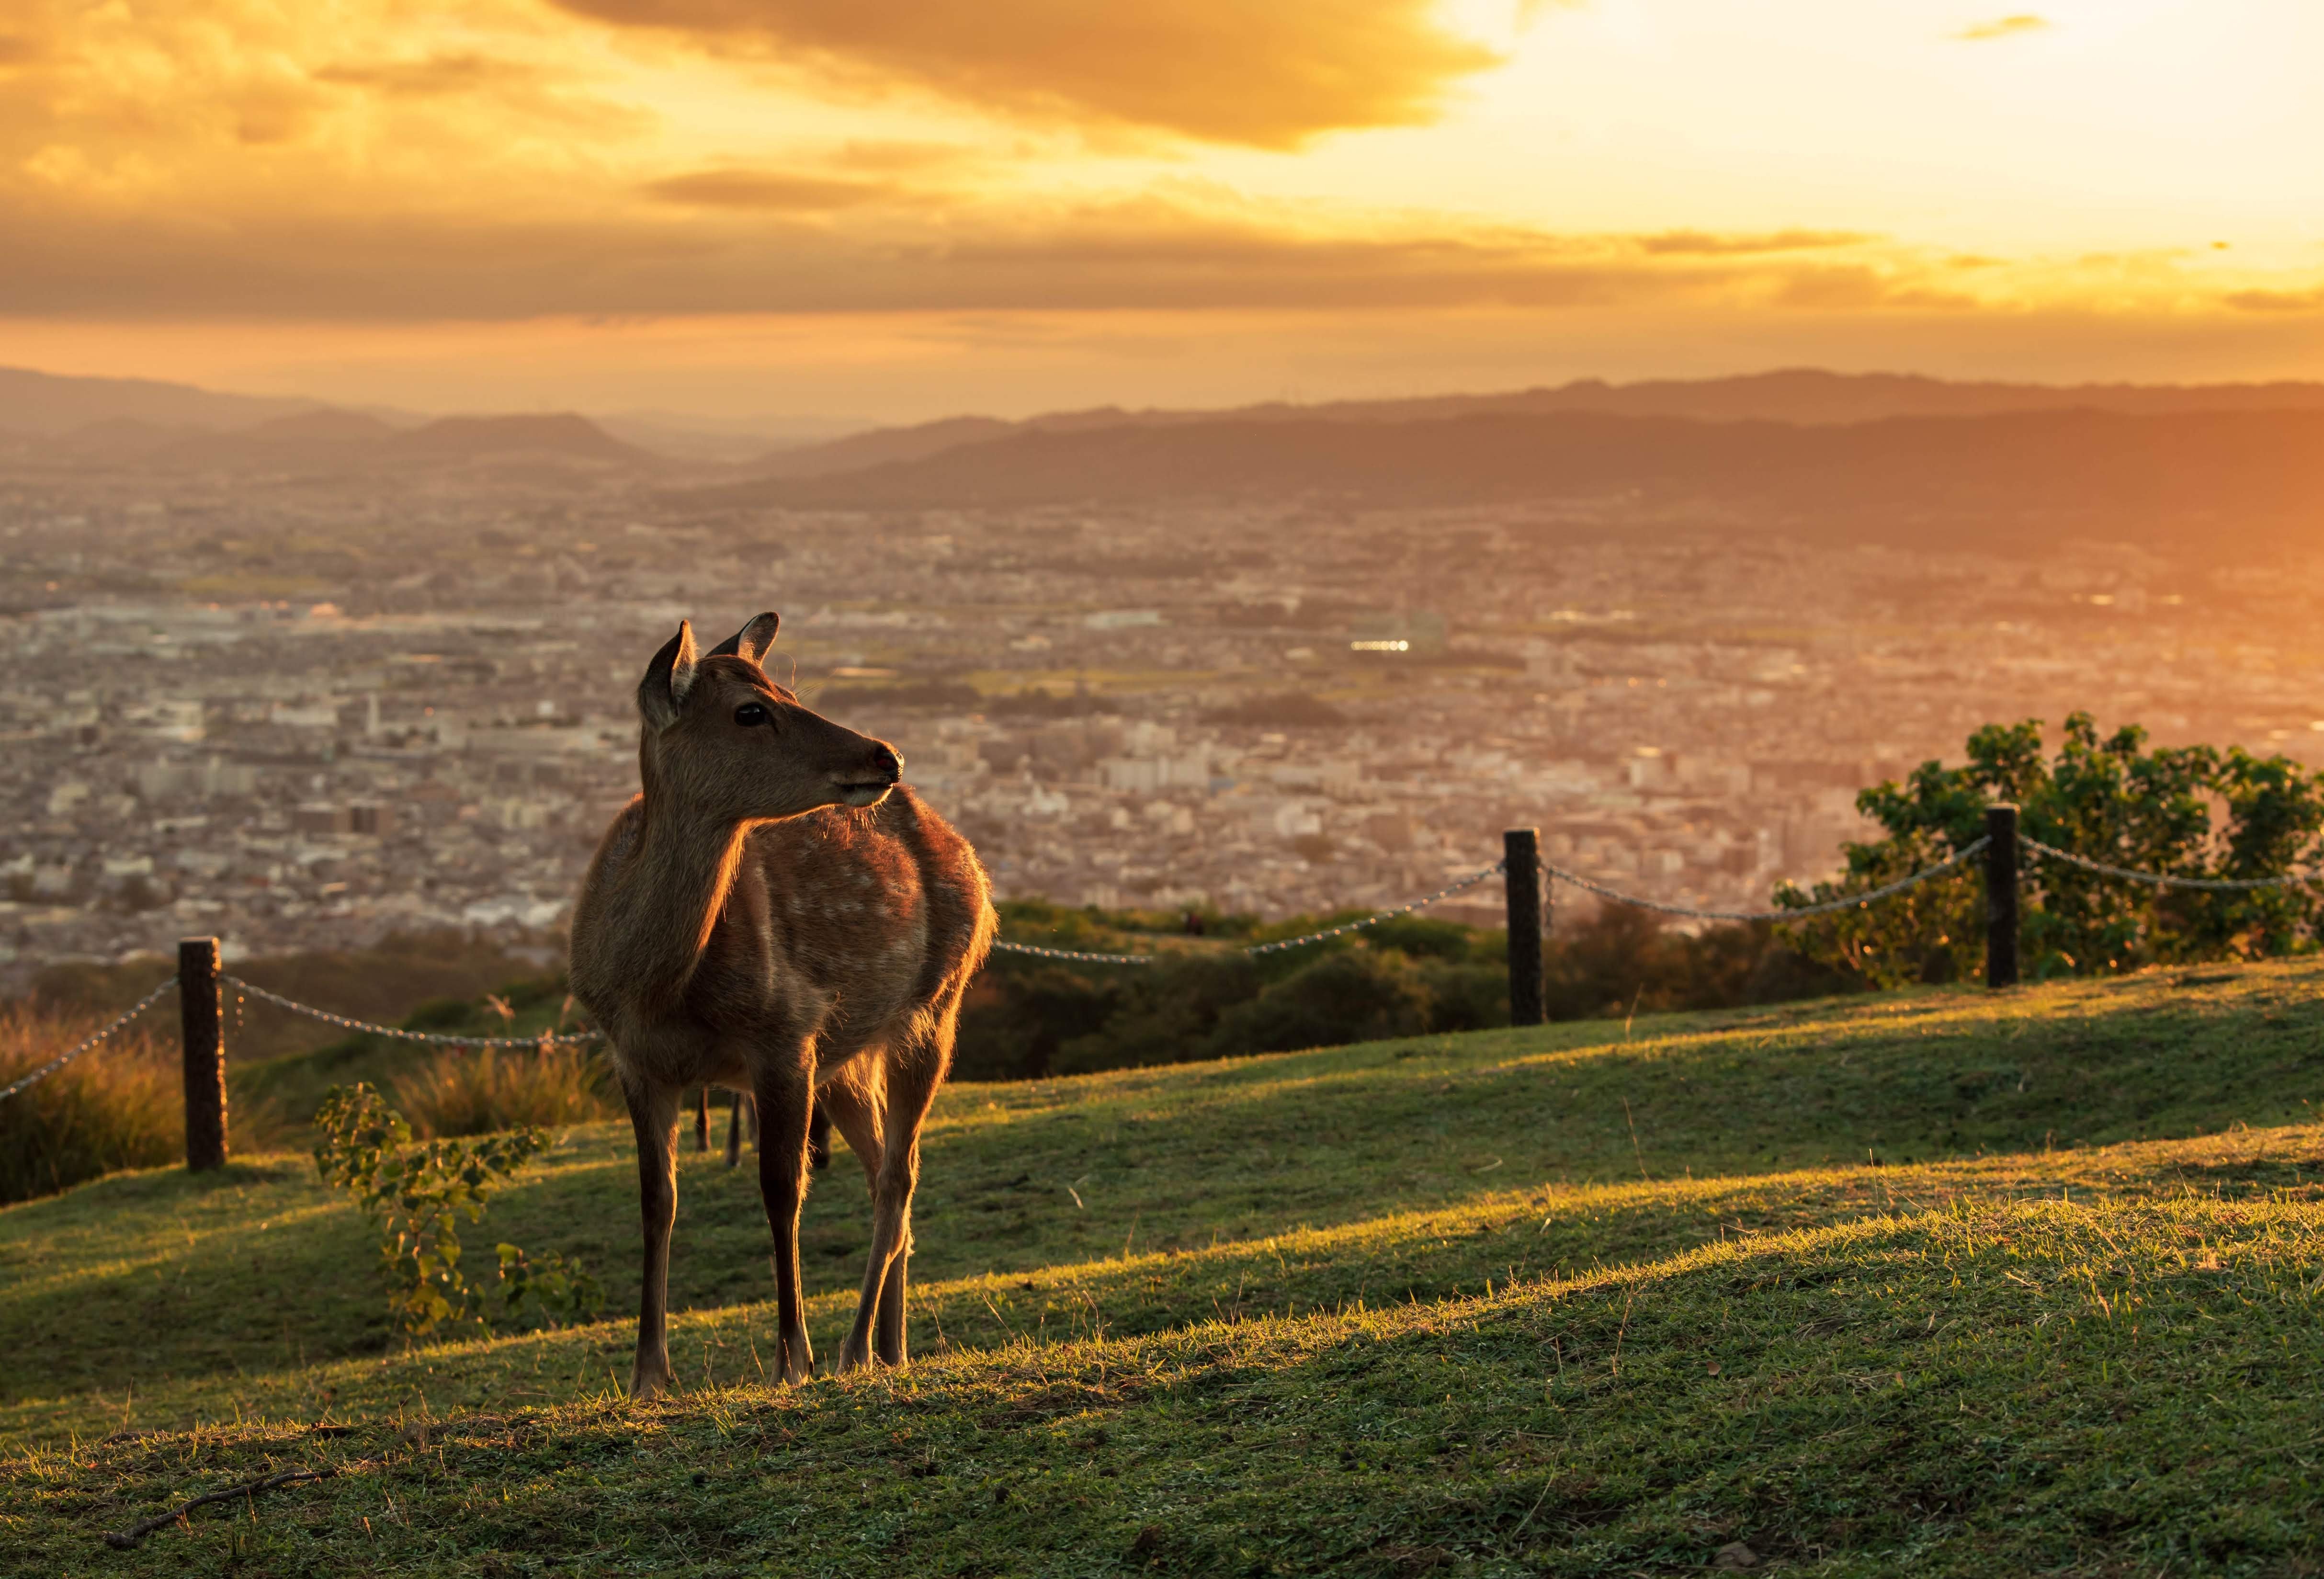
[678, 888]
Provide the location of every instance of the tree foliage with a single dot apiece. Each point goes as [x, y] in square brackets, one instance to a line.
[1407, 976]
[2184, 811]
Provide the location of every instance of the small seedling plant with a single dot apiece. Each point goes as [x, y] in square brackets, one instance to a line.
[417, 1192]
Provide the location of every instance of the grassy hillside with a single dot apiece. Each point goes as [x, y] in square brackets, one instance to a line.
[1947, 1281]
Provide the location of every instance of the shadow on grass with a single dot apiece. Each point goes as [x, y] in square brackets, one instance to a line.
[2015, 1388]
[1418, 1258]
[129, 1285]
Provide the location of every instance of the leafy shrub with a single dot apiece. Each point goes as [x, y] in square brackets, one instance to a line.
[477, 1092]
[1026, 1019]
[1164, 1013]
[1423, 938]
[120, 1105]
[416, 1193]
[2110, 798]
[1466, 995]
[1344, 997]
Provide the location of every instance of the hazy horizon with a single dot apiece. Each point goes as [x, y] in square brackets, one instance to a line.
[813, 426]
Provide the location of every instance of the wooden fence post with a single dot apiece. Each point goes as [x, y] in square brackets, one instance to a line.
[1521, 881]
[201, 1019]
[2001, 896]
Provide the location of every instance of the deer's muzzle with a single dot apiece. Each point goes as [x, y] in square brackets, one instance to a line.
[869, 784]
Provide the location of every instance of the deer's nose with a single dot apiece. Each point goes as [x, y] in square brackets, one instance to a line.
[888, 761]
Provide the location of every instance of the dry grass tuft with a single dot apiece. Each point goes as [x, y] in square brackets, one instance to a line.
[465, 1091]
[121, 1105]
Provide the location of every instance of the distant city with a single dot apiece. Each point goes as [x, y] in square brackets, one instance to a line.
[314, 705]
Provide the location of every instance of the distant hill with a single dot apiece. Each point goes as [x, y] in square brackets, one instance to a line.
[1812, 395]
[179, 426]
[2078, 472]
[733, 442]
[883, 445]
[1796, 396]
[46, 402]
[470, 438]
[317, 441]
[328, 426]
[326, 440]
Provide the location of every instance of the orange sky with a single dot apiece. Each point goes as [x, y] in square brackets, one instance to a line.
[919, 207]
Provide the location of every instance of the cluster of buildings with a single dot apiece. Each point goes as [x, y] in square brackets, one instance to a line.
[297, 712]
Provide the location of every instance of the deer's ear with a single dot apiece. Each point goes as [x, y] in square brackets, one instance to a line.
[668, 677]
[753, 639]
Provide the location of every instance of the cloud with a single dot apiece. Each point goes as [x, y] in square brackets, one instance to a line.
[766, 190]
[759, 241]
[1270, 75]
[2003, 27]
[890, 156]
[16, 49]
[2284, 301]
[1710, 244]
[431, 76]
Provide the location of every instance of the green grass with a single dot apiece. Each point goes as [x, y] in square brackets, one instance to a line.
[1942, 1282]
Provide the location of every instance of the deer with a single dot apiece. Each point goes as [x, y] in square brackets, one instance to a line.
[777, 914]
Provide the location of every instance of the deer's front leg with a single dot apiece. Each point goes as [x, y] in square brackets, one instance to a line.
[653, 1113]
[785, 1095]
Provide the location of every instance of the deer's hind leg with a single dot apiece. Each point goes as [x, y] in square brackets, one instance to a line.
[856, 1100]
[734, 1127]
[653, 1114]
[913, 1071]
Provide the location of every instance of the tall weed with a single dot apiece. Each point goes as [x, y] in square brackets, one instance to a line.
[120, 1105]
[416, 1193]
[485, 1090]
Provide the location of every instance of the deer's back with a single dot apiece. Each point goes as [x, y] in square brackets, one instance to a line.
[862, 918]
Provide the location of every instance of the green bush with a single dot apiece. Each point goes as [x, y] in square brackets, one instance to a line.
[416, 1193]
[463, 1091]
[2110, 798]
[1466, 995]
[1164, 1013]
[1026, 1019]
[121, 1105]
[1349, 997]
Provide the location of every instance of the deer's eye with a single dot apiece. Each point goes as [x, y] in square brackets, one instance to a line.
[750, 715]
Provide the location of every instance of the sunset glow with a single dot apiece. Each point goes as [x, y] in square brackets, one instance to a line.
[803, 204]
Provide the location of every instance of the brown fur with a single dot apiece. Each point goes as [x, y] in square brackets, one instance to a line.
[775, 914]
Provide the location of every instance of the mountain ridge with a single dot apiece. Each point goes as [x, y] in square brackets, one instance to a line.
[1797, 395]
[2122, 475]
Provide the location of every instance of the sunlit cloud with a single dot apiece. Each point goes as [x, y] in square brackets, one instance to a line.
[746, 240]
[2287, 302]
[1778, 241]
[1271, 76]
[2003, 27]
[431, 76]
[1047, 168]
[766, 190]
